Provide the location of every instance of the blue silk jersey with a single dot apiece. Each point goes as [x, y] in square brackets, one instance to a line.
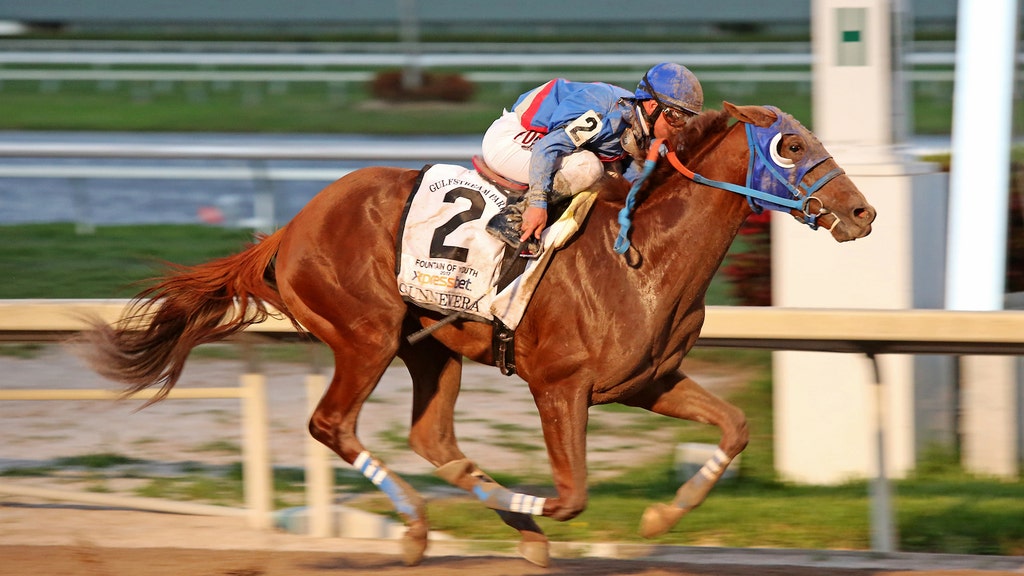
[551, 107]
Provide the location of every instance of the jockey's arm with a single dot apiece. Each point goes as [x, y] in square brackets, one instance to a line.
[543, 163]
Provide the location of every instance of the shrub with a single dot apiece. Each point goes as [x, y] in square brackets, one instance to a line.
[749, 269]
[388, 85]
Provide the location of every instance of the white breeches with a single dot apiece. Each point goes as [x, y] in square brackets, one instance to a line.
[507, 147]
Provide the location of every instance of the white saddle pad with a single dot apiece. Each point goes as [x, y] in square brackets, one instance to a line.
[450, 263]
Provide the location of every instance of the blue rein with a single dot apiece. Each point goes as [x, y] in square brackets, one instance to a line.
[777, 194]
[656, 150]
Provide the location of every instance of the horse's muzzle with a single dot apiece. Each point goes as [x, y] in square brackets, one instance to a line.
[853, 225]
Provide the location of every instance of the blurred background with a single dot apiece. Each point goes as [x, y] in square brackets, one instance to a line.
[137, 131]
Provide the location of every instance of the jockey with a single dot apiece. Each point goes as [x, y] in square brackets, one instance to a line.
[559, 137]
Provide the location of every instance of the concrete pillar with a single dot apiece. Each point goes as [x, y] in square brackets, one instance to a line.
[825, 403]
[990, 421]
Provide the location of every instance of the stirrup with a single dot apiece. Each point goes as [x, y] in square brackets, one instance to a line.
[532, 248]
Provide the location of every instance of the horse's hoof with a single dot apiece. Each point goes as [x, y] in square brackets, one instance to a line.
[536, 552]
[658, 518]
[414, 544]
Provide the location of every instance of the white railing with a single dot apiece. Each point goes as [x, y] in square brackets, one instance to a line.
[41, 320]
[871, 332]
[730, 62]
[256, 469]
[632, 60]
[255, 169]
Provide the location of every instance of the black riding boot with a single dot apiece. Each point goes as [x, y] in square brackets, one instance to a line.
[506, 225]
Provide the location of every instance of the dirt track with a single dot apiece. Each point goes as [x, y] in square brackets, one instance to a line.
[85, 561]
[39, 538]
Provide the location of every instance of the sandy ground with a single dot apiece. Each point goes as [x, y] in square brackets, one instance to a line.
[497, 423]
[49, 539]
[496, 420]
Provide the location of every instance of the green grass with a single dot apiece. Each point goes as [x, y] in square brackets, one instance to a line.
[302, 108]
[202, 488]
[963, 517]
[945, 512]
[20, 350]
[348, 108]
[940, 510]
[52, 261]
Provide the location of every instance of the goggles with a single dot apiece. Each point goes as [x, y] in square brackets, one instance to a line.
[676, 117]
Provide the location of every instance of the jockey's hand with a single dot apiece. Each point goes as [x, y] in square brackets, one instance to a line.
[534, 219]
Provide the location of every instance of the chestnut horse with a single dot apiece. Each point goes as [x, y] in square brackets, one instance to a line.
[601, 327]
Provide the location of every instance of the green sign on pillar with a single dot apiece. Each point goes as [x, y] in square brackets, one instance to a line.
[852, 49]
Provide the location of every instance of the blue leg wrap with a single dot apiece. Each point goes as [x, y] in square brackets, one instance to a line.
[378, 474]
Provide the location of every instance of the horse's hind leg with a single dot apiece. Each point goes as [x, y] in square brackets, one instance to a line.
[679, 396]
[437, 373]
[361, 355]
[333, 423]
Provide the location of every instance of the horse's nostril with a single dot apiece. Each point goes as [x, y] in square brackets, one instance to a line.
[862, 213]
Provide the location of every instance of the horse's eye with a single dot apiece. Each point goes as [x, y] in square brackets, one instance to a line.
[794, 148]
[774, 149]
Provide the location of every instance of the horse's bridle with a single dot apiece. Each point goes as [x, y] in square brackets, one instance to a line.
[776, 191]
[798, 200]
[764, 157]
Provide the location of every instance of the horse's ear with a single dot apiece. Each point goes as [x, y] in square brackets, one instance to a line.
[756, 115]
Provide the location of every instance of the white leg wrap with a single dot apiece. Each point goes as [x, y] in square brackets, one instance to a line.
[714, 467]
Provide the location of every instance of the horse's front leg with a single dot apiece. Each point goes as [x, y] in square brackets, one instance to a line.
[437, 374]
[679, 396]
[563, 414]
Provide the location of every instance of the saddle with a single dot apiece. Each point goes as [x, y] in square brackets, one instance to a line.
[493, 177]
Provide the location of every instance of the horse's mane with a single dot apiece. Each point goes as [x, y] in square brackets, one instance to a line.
[699, 133]
[702, 133]
[689, 142]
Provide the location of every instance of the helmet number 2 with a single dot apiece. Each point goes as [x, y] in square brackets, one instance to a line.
[584, 128]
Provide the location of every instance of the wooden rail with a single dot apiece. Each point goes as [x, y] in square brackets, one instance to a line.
[832, 330]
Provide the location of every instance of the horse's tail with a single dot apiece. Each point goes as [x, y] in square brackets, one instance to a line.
[189, 306]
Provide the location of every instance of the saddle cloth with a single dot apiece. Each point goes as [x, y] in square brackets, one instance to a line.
[447, 261]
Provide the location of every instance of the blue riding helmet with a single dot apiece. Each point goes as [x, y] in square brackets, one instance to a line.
[673, 86]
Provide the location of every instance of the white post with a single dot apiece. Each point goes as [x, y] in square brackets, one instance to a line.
[264, 203]
[319, 471]
[257, 476]
[409, 34]
[979, 188]
[980, 169]
[853, 76]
